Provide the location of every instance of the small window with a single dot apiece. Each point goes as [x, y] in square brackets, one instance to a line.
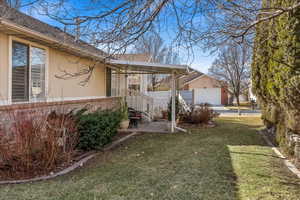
[28, 73]
[20, 72]
[37, 64]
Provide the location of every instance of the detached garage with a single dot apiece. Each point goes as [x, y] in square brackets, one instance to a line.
[207, 95]
[196, 88]
[207, 89]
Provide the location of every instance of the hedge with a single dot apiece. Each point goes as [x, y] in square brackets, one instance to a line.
[276, 71]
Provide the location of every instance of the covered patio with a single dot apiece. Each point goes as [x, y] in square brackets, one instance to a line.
[122, 68]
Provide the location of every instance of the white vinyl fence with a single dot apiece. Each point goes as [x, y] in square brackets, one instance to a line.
[187, 96]
[161, 100]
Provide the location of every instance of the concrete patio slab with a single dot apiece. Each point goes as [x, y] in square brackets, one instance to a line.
[151, 127]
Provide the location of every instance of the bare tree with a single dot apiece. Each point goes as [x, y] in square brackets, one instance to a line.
[18, 4]
[232, 66]
[117, 25]
[120, 24]
[153, 45]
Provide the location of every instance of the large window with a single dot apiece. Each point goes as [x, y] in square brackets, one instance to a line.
[28, 73]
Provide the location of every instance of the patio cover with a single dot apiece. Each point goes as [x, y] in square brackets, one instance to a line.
[147, 67]
[123, 66]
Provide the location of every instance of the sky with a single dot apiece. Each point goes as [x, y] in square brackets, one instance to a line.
[200, 60]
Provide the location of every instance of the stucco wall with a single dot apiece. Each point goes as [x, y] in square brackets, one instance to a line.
[70, 88]
[3, 67]
[57, 89]
[204, 82]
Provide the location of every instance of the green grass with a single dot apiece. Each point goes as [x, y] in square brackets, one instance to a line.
[230, 161]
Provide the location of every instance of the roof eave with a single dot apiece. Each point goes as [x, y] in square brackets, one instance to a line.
[50, 41]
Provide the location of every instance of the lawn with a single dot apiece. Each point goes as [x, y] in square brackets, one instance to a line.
[230, 161]
[243, 106]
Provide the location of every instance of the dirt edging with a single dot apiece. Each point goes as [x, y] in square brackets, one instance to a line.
[73, 166]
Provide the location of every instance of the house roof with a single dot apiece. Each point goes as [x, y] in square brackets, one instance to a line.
[201, 76]
[190, 77]
[12, 19]
[142, 57]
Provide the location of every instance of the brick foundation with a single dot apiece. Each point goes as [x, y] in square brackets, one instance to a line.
[104, 103]
[12, 114]
[61, 106]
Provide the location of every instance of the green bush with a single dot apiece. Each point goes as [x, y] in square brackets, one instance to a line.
[97, 129]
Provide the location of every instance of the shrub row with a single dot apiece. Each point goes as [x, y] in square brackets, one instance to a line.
[38, 142]
[35, 145]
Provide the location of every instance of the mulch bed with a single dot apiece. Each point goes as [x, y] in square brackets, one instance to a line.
[77, 156]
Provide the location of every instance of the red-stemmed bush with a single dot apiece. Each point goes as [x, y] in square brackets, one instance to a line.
[35, 142]
[200, 114]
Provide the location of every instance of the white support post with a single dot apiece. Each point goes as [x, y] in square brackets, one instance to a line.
[126, 84]
[173, 116]
[119, 83]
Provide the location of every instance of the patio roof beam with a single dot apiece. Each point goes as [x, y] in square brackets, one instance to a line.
[129, 73]
[146, 67]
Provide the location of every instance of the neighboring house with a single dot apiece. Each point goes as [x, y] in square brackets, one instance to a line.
[203, 88]
[207, 89]
[42, 64]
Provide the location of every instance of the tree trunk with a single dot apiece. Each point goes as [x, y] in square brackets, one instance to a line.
[238, 103]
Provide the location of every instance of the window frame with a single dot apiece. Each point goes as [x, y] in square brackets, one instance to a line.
[30, 45]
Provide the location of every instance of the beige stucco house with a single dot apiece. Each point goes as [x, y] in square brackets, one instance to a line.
[35, 58]
[42, 65]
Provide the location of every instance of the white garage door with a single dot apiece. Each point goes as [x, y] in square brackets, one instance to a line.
[208, 95]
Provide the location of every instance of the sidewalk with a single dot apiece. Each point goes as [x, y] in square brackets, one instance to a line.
[224, 112]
